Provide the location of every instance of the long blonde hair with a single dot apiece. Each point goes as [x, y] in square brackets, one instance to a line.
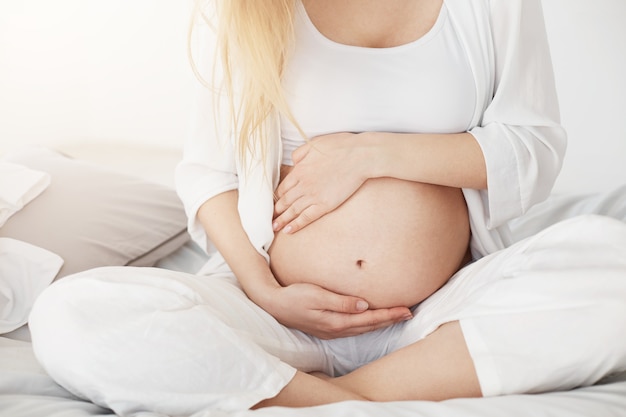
[253, 41]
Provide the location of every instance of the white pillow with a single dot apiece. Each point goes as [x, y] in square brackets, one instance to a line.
[25, 271]
[18, 186]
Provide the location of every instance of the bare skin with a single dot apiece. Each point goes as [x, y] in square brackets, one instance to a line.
[436, 368]
[373, 24]
[393, 243]
[439, 366]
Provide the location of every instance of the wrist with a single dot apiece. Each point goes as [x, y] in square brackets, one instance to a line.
[261, 288]
[373, 152]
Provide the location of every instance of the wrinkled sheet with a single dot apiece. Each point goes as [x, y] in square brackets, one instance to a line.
[26, 390]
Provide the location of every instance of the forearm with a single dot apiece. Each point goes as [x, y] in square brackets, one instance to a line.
[306, 307]
[454, 160]
[230, 239]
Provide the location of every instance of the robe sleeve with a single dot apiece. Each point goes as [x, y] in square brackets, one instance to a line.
[520, 133]
[208, 166]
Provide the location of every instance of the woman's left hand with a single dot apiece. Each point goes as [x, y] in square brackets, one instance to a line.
[326, 172]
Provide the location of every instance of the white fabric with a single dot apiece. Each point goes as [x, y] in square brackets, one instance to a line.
[560, 207]
[428, 85]
[25, 271]
[18, 186]
[540, 315]
[192, 341]
[27, 391]
[516, 122]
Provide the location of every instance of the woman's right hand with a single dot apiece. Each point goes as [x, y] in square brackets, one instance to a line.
[327, 315]
[305, 307]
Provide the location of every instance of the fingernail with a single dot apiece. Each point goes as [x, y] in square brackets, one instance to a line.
[287, 229]
[275, 226]
[362, 305]
[407, 317]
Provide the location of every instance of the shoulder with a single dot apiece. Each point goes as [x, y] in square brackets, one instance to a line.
[491, 7]
[497, 9]
[515, 9]
[500, 17]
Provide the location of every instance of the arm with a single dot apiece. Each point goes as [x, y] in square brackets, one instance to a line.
[508, 159]
[346, 160]
[453, 160]
[520, 133]
[306, 307]
[207, 181]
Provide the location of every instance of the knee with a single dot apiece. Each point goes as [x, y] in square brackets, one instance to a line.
[61, 326]
[86, 326]
[135, 339]
[75, 313]
[104, 302]
[611, 318]
[78, 302]
[601, 337]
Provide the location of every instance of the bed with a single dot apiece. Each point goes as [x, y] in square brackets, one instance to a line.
[26, 390]
[111, 202]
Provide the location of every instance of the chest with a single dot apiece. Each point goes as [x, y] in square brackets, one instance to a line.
[373, 23]
[425, 86]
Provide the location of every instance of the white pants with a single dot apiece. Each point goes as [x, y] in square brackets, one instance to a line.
[548, 313]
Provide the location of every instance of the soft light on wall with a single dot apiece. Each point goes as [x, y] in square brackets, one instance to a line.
[80, 70]
[588, 42]
[91, 70]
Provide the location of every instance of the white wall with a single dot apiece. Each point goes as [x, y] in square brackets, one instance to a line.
[77, 70]
[86, 70]
[588, 42]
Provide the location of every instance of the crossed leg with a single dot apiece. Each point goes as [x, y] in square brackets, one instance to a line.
[435, 368]
[565, 287]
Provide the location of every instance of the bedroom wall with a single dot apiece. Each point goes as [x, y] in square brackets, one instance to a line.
[91, 70]
[116, 70]
[588, 43]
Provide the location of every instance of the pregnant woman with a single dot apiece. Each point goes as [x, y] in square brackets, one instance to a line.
[351, 171]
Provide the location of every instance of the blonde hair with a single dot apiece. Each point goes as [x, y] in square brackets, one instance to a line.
[253, 41]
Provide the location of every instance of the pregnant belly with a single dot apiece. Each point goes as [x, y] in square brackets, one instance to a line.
[392, 243]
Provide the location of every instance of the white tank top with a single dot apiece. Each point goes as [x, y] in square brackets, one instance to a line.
[425, 86]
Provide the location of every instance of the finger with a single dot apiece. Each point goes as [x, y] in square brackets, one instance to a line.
[285, 185]
[286, 200]
[289, 214]
[357, 306]
[306, 217]
[299, 154]
[375, 319]
[343, 325]
[344, 303]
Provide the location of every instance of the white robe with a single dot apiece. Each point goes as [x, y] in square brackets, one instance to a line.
[516, 123]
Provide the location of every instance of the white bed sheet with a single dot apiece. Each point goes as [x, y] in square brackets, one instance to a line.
[27, 391]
